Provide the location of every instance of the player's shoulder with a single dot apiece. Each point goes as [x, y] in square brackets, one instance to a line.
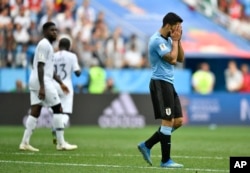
[68, 56]
[44, 43]
[71, 54]
[156, 37]
[66, 52]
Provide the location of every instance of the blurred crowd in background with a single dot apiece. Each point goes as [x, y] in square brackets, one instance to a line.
[20, 30]
[21, 22]
[96, 43]
[234, 15]
[237, 78]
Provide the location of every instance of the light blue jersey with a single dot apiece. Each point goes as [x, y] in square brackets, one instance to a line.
[157, 48]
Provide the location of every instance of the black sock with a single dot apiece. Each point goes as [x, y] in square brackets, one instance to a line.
[154, 139]
[165, 146]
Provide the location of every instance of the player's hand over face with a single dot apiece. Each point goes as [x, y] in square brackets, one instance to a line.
[176, 33]
[65, 88]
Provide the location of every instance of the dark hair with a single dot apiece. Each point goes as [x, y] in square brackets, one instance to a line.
[47, 25]
[171, 18]
[64, 43]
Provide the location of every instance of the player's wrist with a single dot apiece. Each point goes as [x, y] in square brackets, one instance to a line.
[175, 42]
[60, 82]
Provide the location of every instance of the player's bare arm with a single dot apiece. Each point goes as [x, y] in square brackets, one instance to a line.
[171, 57]
[175, 35]
[181, 55]
[40, 70]
[62, 85]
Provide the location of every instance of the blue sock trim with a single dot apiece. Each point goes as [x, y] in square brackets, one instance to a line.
[166, 130]
[59, 129]
[173, 129]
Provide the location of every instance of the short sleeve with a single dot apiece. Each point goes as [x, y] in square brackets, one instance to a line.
[76, 66]
[162, 47]
[42, 52]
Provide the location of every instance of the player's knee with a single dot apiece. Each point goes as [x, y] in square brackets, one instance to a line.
[178, 122]
[57, 109]
[35, 110]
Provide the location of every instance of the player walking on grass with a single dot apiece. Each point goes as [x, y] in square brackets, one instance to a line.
[66, 63]
[165, 51]
[43, 91]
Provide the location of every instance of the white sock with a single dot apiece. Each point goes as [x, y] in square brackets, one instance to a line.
[65, 120]
[58, 125]
[30, 126]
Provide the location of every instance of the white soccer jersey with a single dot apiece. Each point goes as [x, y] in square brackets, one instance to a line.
[44, 53]
[66, 63]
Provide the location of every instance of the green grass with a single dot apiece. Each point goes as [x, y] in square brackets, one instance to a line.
[199, 148]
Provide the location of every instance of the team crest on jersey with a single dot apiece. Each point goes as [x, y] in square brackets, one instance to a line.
[168, 111]
[163, 46]
[41, 57]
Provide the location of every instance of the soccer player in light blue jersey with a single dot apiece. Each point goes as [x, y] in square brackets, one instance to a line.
[165, 50]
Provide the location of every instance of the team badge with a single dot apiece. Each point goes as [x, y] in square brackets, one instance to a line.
[162, 46]
[168, 111]
[41, 57]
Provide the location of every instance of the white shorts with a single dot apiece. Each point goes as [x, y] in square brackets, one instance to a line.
[66, 99]
[67, 102]
[51, 97]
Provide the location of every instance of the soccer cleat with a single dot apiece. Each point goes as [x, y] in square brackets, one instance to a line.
[66, 146]
[171, 164]
[54, 137]
[27, 147]
[145, 152]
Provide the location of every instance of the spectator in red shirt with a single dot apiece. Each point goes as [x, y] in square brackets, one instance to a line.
[246, 78]
[235, 9]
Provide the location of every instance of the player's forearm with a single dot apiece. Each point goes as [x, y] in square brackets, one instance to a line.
[172, 56]
[40, 70]
[57, 79]
[181, 55]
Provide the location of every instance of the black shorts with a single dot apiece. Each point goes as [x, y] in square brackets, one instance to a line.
[166, 103]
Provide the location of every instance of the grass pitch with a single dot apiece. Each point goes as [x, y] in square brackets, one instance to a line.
[199, 148]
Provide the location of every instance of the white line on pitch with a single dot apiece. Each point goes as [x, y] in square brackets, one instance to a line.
[111, 155]
[107, 166]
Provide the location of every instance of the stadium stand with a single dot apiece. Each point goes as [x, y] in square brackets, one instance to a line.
[108, 21]
[234, 15]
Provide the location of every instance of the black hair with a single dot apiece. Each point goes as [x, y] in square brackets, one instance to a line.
[171, 18]
[47, 25]
[64, 43]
